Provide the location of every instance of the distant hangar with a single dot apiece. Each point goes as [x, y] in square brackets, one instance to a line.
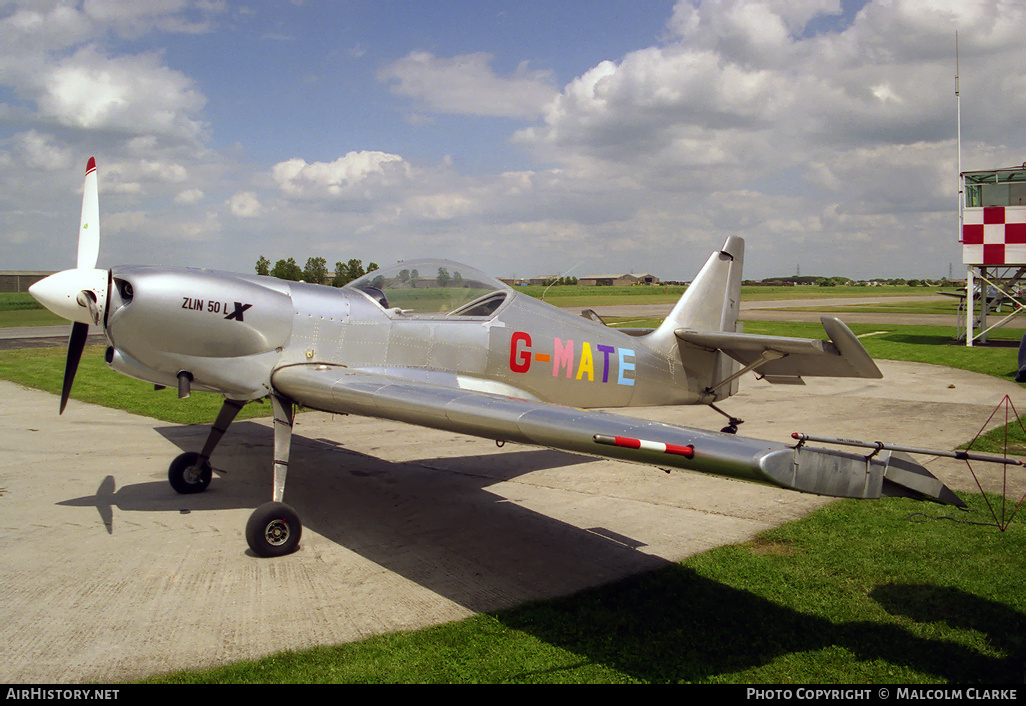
[617, 280]
[613, 280]
[20, 280]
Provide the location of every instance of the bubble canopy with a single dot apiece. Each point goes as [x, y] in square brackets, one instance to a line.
[433, 288]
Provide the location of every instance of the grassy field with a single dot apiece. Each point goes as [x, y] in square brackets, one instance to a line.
[577, 296]
[941, 306]
[43, 368]
[20, 309]
[893, 592]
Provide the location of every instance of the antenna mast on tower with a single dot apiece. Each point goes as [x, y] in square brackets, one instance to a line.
[958, 112]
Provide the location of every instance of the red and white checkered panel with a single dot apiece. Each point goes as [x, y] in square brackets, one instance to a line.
[995, 235]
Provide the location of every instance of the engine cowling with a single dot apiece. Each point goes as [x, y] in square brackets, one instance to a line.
[225, 330]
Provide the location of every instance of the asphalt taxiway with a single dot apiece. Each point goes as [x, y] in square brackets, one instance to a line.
[108, 574]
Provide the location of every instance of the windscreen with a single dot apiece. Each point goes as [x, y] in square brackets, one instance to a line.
[433, 288]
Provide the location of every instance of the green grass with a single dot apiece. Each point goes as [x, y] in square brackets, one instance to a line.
[578, 296]
[941, 307]
[20, 309]
[95, 383]
[14, 301]
[757, 292]
[857, 593]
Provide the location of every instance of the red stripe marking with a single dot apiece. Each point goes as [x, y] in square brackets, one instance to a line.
[629, 443]
[686, 451]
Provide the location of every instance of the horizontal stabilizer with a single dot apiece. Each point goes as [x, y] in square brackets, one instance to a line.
[593, 315]
[905, 478]
[784, 359]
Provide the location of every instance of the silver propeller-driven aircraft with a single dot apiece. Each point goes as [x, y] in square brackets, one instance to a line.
[442, 345]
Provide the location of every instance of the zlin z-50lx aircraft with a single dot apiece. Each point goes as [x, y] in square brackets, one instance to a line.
[442, 345]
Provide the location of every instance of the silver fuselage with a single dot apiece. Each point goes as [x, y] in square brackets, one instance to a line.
[231, 331]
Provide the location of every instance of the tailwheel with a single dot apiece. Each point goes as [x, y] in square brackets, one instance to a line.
[273, 529]
[732, 424]
[189, 473]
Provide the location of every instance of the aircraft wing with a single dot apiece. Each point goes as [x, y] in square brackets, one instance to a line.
[782, 359]
[447, 403]
[991, 298]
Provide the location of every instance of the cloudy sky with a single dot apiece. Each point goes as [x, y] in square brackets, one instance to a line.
[528, 137]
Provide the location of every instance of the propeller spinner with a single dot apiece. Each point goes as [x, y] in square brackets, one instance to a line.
[79, 295]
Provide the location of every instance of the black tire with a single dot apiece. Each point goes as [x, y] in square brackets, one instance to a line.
[273, 529]
[178, 472]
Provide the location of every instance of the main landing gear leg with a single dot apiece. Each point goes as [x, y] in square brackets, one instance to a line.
[191, 472]
[274, 528]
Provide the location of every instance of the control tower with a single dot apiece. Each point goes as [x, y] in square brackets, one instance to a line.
[992, 220]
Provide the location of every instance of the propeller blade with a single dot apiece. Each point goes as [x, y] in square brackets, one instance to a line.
[89, 228]
[76, 343]
[80, 294]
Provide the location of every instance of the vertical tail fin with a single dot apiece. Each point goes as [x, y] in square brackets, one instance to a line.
[710, 304]
[712, 301]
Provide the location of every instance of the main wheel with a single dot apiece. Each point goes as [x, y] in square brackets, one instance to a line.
[273, 529]
[186, 477]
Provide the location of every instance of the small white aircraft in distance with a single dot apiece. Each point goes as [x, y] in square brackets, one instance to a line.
[995, 297]
[442, 345]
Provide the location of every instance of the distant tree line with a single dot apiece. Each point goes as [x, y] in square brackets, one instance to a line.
[562, 281]
[315, 271]
[812, 280]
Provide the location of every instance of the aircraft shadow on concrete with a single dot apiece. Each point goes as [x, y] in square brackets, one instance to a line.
[443, 530]
[430, 520]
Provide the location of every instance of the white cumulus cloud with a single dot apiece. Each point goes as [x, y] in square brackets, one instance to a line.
[133, 94]
[245, 204]
[466, 84]
[356, 175]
